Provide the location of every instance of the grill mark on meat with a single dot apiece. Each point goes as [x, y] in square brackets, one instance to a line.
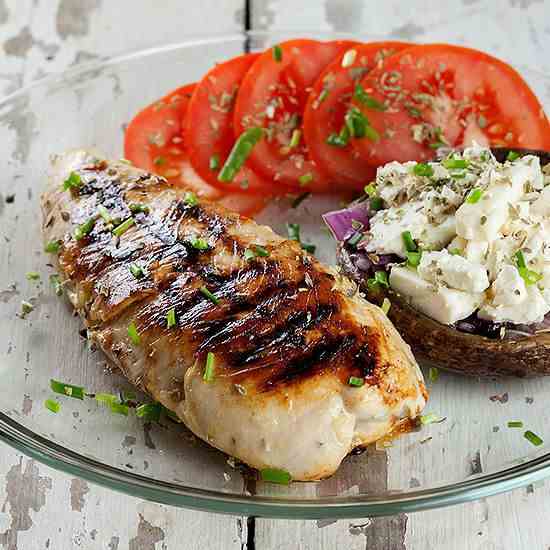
[276, 322]
[330, 352]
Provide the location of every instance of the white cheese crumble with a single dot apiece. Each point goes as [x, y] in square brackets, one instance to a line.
[475, 220]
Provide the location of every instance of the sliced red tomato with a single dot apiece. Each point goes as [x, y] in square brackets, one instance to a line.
[209, 128]
[154, 140]
[328, 103]
[273, 95]
[440, 94]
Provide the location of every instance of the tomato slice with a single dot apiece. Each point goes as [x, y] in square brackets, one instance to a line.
[327, 106]
[209, 128]
[154, 141]
[440, 94]
[273, 95]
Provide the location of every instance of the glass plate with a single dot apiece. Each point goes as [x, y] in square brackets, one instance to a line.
[472, 454]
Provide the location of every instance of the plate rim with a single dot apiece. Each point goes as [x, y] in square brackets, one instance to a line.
[62, 459]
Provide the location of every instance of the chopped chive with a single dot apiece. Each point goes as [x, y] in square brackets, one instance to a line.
[137, 208]
[348, 59]
[56, 284]
[84, 229]
[106, 398]
[520, 259]
[381, 277]
[249, 254]
[356, 381]
[277, 53]
[123, 227]
[275, 475]
[529, 276]
[386, 304]
[137, 271]
[150, 412]
[474, 195]
[433, 374]
[208, 375]
[370, 189]
[119, 408]
[134, 334]
[515, 424]
[533, 438]
[322, 96]
[214, 162]
[413, 111]
[430, 418]
[408, 241]
[209, 295]
[171, 318]
[240, 152]
[437, 144]
[190, 199]
[309, 248]
[376, 203]
[413, 258]
[52, 405]
[423, 169]
[26, 307]
[52, 247]
[512, 156]
[255, 251]
[481, 121]
[455, 164]
[371, 133]
[72, 182]
[261, 251]
[199, 244]
[300, 198]
[293, 230]
[159, 161]
[355, 239]
[33, 276]
[359, 126]
[295, 138]
[367, 100]
[455, 252]
[67, 389]
[104, 213]
[304, 179]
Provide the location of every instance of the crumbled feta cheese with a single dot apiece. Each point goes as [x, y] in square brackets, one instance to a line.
[387, 227]
[453, 271]
[445, 305]
[531, 309]
[470, 222]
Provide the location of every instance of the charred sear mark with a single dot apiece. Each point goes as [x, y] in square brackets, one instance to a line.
[273, 320]
[329, 352]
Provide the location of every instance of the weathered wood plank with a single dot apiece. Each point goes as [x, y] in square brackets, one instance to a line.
[44, 508]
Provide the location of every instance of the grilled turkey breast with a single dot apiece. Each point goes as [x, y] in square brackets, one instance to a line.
[286, 332]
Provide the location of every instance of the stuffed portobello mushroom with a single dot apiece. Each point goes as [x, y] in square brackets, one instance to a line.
[457, 251]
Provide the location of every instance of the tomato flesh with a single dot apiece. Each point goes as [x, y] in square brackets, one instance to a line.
[273, 95]
[440, 95]
[327, 106]
[209, 128]
[155, 141]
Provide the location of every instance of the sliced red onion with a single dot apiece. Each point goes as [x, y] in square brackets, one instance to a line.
[340, 222]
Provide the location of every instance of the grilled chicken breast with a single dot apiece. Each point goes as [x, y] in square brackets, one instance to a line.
[193, 279]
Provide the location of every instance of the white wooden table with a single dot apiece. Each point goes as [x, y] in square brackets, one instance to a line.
[42, 508]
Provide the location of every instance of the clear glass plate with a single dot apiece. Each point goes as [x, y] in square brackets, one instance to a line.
[472, 454]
